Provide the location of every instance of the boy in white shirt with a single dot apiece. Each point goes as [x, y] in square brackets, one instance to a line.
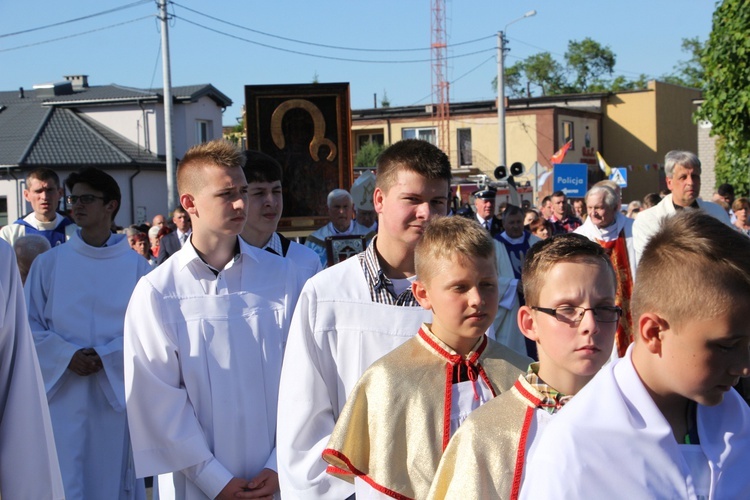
[204, 338]
[664, 421]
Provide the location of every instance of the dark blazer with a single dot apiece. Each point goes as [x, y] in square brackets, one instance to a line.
[169, 245]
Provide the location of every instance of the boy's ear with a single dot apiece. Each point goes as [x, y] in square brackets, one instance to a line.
[420, 293]
[377, 199]
[650, 329]
[527, 323]
[186, 200]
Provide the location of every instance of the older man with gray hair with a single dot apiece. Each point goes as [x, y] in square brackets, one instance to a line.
[341, 214]
[683, 172]
[612, 230]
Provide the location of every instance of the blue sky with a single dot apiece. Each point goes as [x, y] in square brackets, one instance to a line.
[645, 35]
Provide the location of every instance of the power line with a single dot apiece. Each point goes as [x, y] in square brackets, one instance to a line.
[336, 47]
[332, 58]
[491, 58]
[76, 34]
[116, 9]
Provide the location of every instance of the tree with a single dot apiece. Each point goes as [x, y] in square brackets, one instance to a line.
[544, 72]
[589, 61]
[368, 154]
[689, 73]
[512, 76]
[726, 62]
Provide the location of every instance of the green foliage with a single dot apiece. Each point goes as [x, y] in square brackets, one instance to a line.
[368, 154]
[689, 73]
[726, 62]
[589, 61]
[544, 72]
[315, 78]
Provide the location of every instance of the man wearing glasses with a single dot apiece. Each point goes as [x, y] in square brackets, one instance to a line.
[77, 294]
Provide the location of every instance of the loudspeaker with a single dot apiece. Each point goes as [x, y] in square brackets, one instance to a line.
[517, 169]
[501, 172]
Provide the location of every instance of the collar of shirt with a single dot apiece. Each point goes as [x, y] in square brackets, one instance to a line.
[680, 207]
[552, 400]
[344, 233]
[273, 245]
[216, 281]
[188, 254]
[379, 284]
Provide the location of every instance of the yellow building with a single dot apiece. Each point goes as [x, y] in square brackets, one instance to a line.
[630, 129]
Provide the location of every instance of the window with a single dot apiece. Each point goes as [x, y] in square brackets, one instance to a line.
[568, 134]
[428, 134]
[375, 138]
[203, 131]
[3, 211]
[464, 147]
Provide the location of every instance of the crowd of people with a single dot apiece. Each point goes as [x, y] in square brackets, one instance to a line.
[516, 352]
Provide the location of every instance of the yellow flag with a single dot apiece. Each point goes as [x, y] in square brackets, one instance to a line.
[603, 165]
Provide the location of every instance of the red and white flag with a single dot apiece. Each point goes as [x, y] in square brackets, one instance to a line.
[559, 156]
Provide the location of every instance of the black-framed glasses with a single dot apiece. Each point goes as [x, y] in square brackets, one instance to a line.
[570, 314]
[85, 199]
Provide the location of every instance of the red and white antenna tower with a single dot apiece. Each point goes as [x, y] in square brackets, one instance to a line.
[440, 94]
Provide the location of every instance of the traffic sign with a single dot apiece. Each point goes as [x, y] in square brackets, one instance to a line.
[571, 179]
[619, 176]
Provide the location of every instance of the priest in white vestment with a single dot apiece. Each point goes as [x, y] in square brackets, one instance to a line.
[28, 459]
[77, 294]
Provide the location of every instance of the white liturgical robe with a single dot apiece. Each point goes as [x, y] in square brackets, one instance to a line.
[611, 441]
[337, 332]
[203, 358]
[77, 295]
[28, 460]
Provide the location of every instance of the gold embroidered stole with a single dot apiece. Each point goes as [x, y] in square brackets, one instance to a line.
[486, 457]
[396, 422]
[618, 253]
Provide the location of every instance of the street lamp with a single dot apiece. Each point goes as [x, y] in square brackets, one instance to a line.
[501, 84]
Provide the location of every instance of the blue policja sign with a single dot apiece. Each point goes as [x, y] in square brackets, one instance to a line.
[571, 179]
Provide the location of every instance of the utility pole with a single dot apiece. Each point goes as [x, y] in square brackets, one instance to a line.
[172, 197]
[501, 97]
[501, 87]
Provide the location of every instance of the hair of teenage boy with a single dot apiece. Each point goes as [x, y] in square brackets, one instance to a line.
[412, 155]
[719, 269]
[450, 239]
[98, 180]
[568, 247]
[214, 153]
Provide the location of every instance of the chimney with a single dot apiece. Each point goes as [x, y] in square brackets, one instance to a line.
[78, 81]
[20, 92]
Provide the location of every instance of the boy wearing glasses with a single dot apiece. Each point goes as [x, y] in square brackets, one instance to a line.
[664, 421]
[570, 314]
[77, 294]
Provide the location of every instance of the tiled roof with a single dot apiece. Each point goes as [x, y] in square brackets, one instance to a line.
[40, 129]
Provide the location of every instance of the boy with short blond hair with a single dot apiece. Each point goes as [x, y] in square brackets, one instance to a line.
[570, 314]
[204, 338]
[664, 421]
[402, 413]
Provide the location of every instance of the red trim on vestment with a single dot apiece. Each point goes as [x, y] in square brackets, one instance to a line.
[521, 451]
[486, 379]
[332, 469]
[447, 400]
[453, 360]
[363, 476]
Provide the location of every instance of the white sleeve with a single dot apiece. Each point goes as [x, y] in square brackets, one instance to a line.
[307, 410]
[53, 350]
[165, 432]
[24, 416]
